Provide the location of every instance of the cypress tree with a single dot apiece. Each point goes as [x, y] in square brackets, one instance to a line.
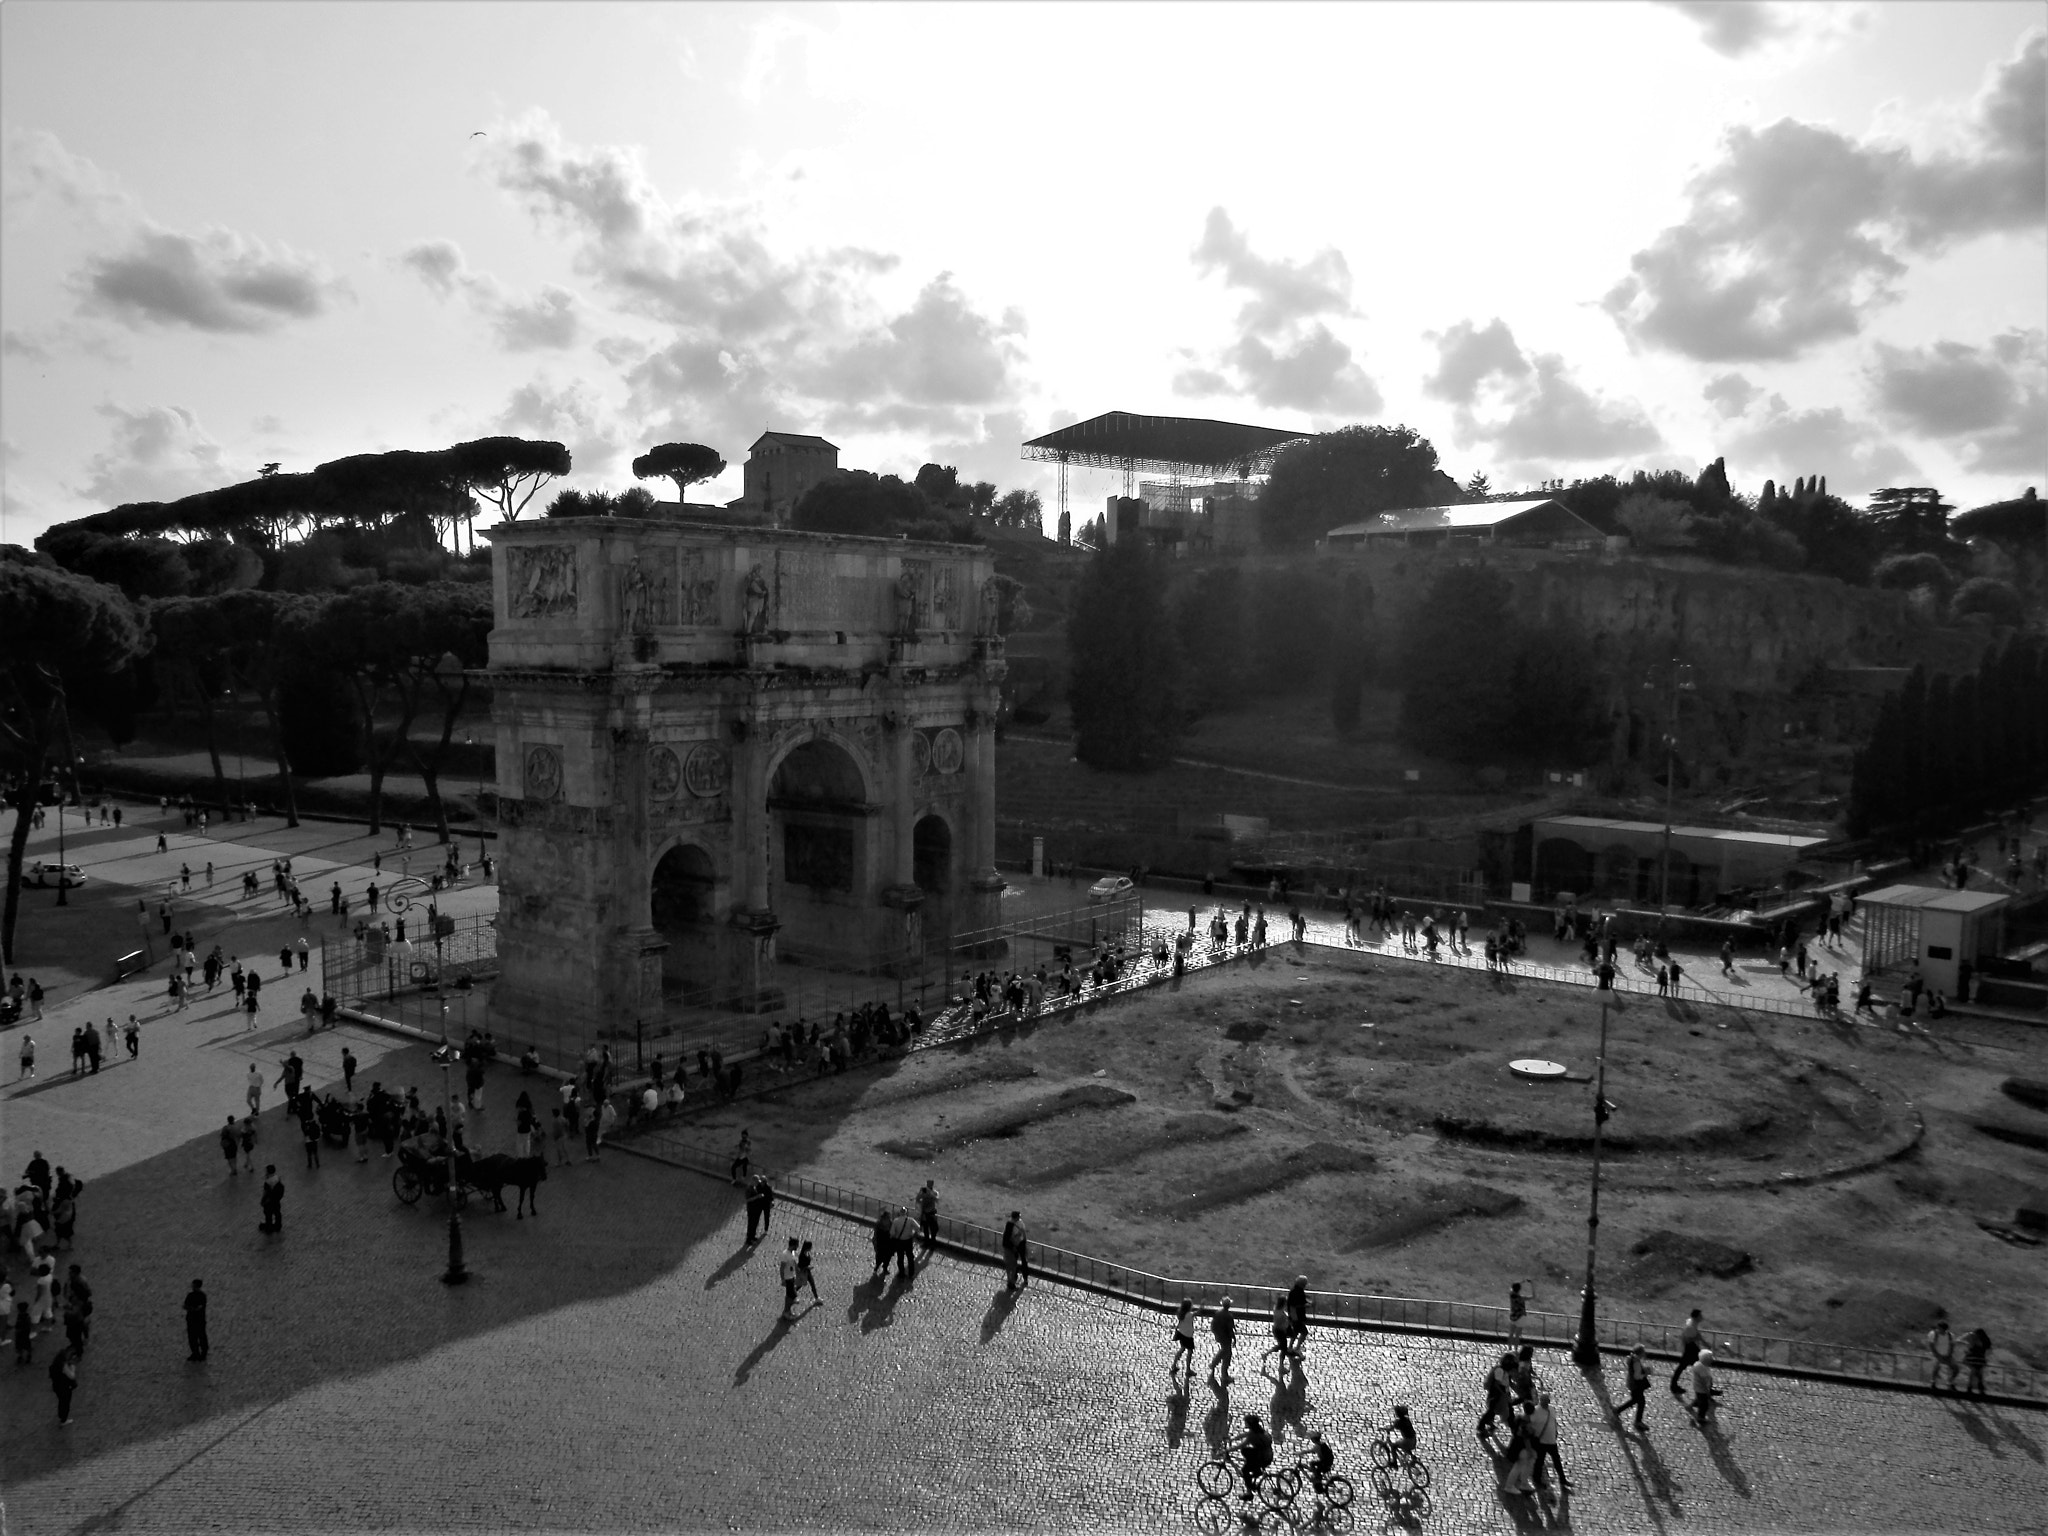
[1124, 686]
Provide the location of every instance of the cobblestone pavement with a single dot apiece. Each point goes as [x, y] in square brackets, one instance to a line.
[618, 1362]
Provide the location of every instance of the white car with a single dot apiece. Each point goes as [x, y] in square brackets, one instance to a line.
[1111, 888]
[44, 875]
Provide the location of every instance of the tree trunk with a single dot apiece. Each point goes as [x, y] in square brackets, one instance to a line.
[220, 775]
[380, 762]
[35, 752]
[429, 764]
[284, 767]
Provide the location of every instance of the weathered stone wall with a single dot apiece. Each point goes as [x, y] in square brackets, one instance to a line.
[739, 698]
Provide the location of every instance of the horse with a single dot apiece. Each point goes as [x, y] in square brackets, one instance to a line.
[491, 1175]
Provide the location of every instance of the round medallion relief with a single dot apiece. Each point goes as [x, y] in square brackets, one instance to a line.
[920, 752]
[664, 773]
[705, 771]
[543, 773]
[947, 751]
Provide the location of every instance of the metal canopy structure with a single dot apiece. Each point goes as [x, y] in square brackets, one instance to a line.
[1169, 445]
[1163, 444]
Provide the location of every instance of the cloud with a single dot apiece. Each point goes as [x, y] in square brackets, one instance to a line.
[1735, 27]
[156, 454]
[40, 170]
[1731, 394]
[1285, 354]
[1775, 441]
[1798, 232]
[221, 282]
[1992, 400]
[548, 320]
[1528, 407]
[756, 337]
[571, 414]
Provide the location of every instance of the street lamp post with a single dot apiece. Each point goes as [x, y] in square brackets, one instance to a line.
[1681, 683]
[1586, 1349]
[400, 901]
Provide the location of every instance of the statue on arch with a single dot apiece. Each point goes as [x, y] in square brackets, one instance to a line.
[754, 603]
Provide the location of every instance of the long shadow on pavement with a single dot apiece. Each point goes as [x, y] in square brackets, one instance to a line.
[350, 1288]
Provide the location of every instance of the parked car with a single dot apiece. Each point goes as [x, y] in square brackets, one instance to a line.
[44, 875]
[1111, 888]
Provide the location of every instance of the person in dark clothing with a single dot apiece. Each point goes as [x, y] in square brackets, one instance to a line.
[195, 1321]
[64, 1382]
[756, 1211]
[272, 1200]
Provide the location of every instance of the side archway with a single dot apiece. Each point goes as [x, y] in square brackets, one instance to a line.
[683, 903]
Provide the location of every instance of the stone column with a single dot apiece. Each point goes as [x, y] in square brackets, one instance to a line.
[901, 893]
[755, 917]
[984, 884]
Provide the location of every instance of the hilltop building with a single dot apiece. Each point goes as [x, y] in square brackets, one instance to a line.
[780, 468]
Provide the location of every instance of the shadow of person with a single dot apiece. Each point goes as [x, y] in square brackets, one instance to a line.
[760, 1352]
[2019, 1437]
[1979, 1429]
[1290, 1403]
[1176, 1416]
[1216, 1425]
[999, 1308]
[1724, 1459]
[881, 1310]
[732, 1266]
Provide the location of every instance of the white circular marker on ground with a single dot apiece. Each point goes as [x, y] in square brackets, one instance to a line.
[1534, 1067]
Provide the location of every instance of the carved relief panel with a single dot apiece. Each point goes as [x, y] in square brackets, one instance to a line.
[542, 582]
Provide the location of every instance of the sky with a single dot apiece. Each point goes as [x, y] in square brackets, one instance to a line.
[1557, 239]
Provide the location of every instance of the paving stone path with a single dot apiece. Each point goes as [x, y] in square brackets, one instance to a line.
[618, 1362]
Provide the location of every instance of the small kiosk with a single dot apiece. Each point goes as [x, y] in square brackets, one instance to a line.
[1945, 933]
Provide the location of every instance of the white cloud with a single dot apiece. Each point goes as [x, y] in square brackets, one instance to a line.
[1774, 441]
[1798, 232]
[220, 281]
[755, 337]
[1738, 29]
[548, 320]
[1285, 354]
[1731, 394]
[1990, 401]
[569, 413]
[157, 453]
[1529, 408]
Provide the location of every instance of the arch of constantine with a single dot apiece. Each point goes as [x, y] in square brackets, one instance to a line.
[719, 747]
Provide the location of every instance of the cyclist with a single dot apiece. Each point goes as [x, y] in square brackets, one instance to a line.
[1257, 1448]
[1321, 1460]
[1401, 1433]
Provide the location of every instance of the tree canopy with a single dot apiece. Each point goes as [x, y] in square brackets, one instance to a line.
[1342, 477]
[1124, 680]
[855, 501]
[687, 464]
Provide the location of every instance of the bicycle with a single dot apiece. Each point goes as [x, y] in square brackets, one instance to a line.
[1275, 1485]
[1400, 1478]
[1332, 1505]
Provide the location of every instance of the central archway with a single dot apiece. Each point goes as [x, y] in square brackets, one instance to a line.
[683, 903]
[931, 854]
[819, 850]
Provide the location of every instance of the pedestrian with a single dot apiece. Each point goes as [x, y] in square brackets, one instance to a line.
[1688, 1351]
[754, 1211]
[227, 1144]
[28, 1057]
[1184, 1339]
[132, 1035]
[1518, 1308]
[1703, 1389]
[608, 1119]
[1976, 1351]
[195, 1322]
[309, 1129]
[359, 1129]
[272, 1200]
[1223, 1329]
[742, 1158]
[248, 1143]
[903, 1242]
[882, 1236]
[348, 1070]
[64, 1374]
[1016, 1274]
[1941, 1344]
[558, 1134]
[1727, 957]
[1283, 1323]
[43, 1273]
[305, 953]
[786, 1270]
[1500, 1395]
[928, 1213]
[803, 1270]
[1638, 1384]
[522, 1126]
[24, 1335]
[77, 1311]
[1542, 1428]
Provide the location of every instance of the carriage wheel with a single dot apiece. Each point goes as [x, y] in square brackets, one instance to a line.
[406, 1184]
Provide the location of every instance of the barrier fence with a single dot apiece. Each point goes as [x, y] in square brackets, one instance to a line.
[1477, 1321]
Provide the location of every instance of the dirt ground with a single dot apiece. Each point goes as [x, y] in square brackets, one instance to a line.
[1354, 1118]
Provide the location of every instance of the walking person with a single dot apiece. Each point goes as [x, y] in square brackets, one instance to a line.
[272, 1200]
[1500, 1395]
[1638, 1384]
[1223, 1329]
[1542, 1428]
[1016, 1265]
[1518, 1308]
[1688, 1351]
[228, 1144]
[1941, 1344]
[742, 1157]
[1184, 1339]
[252, 1089]
[1703, 1389]
[195, 1322]
[928, 1213]
[803, 1271]
[1976, 1352]
[28, 1057]
[756, 1215]
[309, 1131]
[248, 1143]
[786, 1270]
[64, 1380]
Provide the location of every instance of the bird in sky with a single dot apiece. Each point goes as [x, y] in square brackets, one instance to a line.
[479, 134]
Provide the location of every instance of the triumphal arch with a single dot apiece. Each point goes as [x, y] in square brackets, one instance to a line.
[726, 749]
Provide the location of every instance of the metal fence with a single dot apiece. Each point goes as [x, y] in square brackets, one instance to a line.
[367, 968]
[1477, 1321]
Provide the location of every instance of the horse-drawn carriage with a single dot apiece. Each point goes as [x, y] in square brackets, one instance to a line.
[423, 1172]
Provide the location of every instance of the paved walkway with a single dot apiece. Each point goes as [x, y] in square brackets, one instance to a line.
[618, 1362]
